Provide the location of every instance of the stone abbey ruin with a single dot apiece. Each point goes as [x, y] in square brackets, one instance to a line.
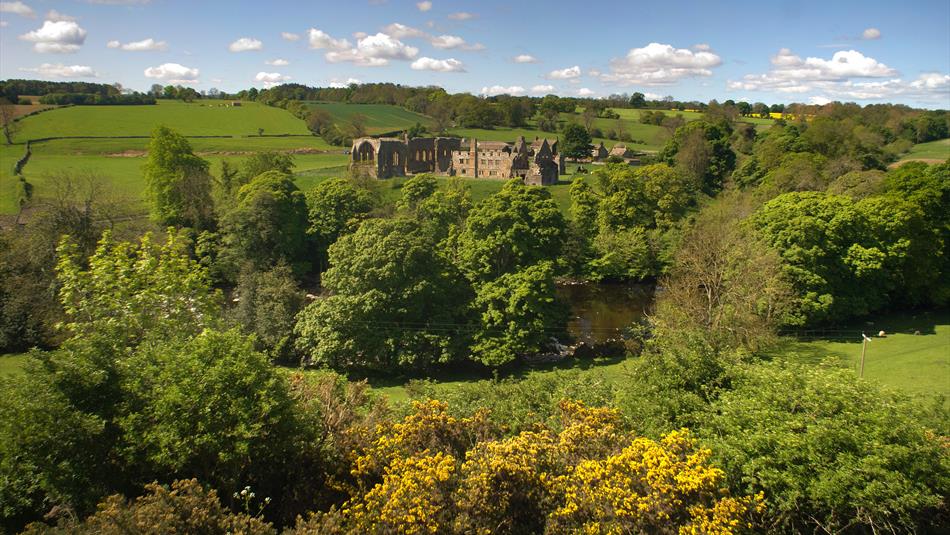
[537, 163]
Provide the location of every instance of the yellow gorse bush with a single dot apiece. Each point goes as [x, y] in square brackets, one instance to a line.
[435, 473]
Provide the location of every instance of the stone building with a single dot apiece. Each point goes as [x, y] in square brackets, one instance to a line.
[537, 163]
[620, 150]
[599, 153]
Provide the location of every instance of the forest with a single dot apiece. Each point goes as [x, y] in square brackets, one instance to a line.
[202, 371]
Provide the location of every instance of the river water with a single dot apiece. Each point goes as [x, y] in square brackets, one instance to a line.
[602, 311]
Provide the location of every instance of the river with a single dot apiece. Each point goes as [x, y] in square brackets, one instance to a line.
[602, 311]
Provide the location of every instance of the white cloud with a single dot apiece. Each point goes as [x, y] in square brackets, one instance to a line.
[3, 24]
[139, 46]
[448, 41]
[661, 64]
[62, 36]
[373, 51]
[401, 31]
[270, 79]
[524, 58]
[439, 65]
[870, 34]
[461, 15]
[502, 90]
[289, 36]
[792, 74]
[321, 40]
[542, 88]
[566, 73]
[17, 8]
[63, 71]
[174, 73]
[245, 44]
[584, 92]
[819, 100]
[55, 16]
[359, 35]
[336, 82]
[702, 47]
[424, 6]
[278, 62]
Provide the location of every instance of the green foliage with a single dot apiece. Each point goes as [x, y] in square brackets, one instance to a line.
[702, 150]
[394, 302]
[576, 143]
[336, 207]
[519, 312]
[185, 507]
[268, 224]
[178, 183]
[831, 452]
[268, 303]
[516, 227]
[415, 190]
[132, 291]
[262, 162]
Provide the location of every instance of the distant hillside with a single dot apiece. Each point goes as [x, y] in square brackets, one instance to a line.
[381, 118]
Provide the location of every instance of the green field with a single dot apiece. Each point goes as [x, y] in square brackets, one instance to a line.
[189, 119]
[933, 151]
[381, 118]
[914, 363]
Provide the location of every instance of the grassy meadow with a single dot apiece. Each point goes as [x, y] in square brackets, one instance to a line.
[381, 118]
[932, 151]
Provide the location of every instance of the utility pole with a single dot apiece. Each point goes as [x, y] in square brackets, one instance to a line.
[864, 349]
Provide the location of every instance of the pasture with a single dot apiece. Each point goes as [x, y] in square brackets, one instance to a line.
[930, 152]
[380, 118]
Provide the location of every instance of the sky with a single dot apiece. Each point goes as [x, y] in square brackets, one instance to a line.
[770, 51]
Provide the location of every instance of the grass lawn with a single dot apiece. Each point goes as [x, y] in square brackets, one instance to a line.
[933, 151]
[914, 363]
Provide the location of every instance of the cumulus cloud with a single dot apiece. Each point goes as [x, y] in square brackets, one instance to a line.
[55, 16]
[870, 34]
[174, 73]
[63, 36]
[447, 41]
[661, 64]
[321, 40]
[289, 36]
[17, 8]
[502, 90]
[584, 92]
[424, 6]
[524, 58]
[461, 15]
[59, 70]
[139, 46]
[245, 44]
[401, 31]
[439, 65]
[542, 88]
[819, 100]
[336, 82]
[792, 74]
[372, 51]
[566, 73]
[270, 79]
[277, 62]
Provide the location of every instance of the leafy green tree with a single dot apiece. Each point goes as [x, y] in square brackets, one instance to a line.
[518, 313]
[831, 452]
[336, 207]
[624, 254]
[702, 149]
[268, 224]
[130, 291]
[268, 303]
[178, 183]
[415, 190]
[638, 100]
[262, 162]
[577, 143]
[394, 302]
[516, 227]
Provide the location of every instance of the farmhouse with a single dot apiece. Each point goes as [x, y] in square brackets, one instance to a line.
[537, 163]
[599, 153]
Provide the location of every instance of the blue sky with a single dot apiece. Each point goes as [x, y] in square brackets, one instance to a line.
[756, 51]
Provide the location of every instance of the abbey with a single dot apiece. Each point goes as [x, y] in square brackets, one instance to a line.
[537, 163]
